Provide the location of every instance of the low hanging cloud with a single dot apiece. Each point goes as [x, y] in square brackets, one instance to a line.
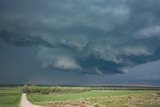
[56, 60]
[88, 36]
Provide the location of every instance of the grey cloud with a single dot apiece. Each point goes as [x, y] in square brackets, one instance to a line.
[149, 32]
[55, 58]
[93, 36]
[21, 39]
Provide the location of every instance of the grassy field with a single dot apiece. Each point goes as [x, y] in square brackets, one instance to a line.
[9, 96]
[81, 96]
[100, 98]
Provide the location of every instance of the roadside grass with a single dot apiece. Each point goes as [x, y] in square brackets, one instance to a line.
[9, 96]
[102, 98]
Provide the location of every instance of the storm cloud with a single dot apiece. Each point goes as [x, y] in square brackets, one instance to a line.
[86, 36]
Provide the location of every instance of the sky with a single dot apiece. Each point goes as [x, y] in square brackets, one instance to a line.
[80, 42]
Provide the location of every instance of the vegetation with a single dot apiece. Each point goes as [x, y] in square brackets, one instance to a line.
[49, 90]
[9, 96]
[100, 98]
[64, 89]
[83, 96]
[125, 88]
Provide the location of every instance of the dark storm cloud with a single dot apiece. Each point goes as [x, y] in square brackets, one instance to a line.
[93, 36]
[19, 39]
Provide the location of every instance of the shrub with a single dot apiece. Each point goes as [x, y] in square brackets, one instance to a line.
[48, 90]
[96, 105]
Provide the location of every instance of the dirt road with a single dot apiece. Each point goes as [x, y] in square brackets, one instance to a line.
[25, 103]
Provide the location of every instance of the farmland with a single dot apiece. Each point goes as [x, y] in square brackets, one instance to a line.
[96, 96]
[100, 98]
[56, 96]
[9, 96]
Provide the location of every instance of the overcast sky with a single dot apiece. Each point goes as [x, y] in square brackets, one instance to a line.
[80, 42]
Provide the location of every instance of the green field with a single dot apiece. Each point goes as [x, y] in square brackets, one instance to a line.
[81, 97]
[100, 98]
[9, 96]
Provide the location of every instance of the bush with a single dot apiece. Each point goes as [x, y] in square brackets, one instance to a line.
[96, 105]
[48, 90]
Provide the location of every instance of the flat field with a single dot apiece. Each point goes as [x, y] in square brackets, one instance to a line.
[99, 98]
[81, 97]
[9, 96]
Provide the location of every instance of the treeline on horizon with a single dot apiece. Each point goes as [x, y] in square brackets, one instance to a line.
[147, 86]
[53, 89]
[71, 89]
[125, 88]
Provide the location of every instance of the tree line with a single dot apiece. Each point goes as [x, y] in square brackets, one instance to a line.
[55, 89]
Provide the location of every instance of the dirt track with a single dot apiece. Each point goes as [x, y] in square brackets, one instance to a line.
[25, 103]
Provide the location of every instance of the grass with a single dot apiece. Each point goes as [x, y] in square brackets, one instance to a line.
[9, 96]
[102, 98]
